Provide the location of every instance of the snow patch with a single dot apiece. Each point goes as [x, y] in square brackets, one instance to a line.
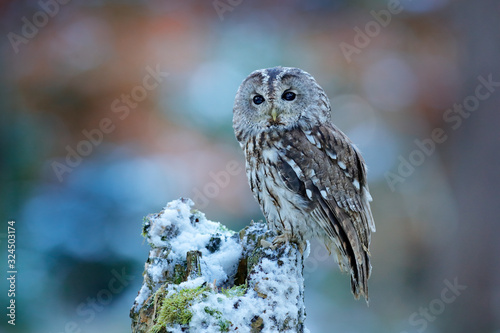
[177, 230]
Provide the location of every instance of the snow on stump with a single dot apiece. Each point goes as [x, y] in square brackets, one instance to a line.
[202, 277]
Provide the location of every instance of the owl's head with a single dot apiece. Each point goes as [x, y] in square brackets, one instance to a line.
[278, 98]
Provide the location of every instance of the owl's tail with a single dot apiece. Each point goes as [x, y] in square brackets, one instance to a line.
[352, 252]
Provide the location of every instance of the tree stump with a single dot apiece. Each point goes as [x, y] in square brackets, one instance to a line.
[202, 277]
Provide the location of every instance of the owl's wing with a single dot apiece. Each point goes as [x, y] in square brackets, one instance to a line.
[325, 168]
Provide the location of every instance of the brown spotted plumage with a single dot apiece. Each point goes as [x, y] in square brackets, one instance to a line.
[308, 177]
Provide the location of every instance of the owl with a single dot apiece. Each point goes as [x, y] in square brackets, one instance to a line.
[307, 176]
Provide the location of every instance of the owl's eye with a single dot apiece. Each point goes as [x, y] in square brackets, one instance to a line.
[288, 96]
[258, 99]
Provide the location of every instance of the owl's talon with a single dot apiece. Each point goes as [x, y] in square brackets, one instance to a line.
[285, 239]
[280, 240]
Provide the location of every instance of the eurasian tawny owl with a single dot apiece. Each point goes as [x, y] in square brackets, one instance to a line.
[308, 177]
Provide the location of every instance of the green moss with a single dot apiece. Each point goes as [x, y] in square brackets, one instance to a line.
[179, 274]
[175, 308]
[145, 226]
[223, 228]
[236, 291]
[211, 311]
[223, 323]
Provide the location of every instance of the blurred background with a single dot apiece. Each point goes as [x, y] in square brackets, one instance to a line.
[110, 109]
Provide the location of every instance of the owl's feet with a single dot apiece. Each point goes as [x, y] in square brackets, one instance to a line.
[277, 241]
[281, 239]
[286, 238]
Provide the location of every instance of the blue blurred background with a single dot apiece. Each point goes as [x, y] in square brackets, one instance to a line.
[110, 109]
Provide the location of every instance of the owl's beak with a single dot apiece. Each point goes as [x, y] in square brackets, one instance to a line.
[274, 114]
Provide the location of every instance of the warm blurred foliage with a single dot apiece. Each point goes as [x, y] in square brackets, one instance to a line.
[111, 108]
